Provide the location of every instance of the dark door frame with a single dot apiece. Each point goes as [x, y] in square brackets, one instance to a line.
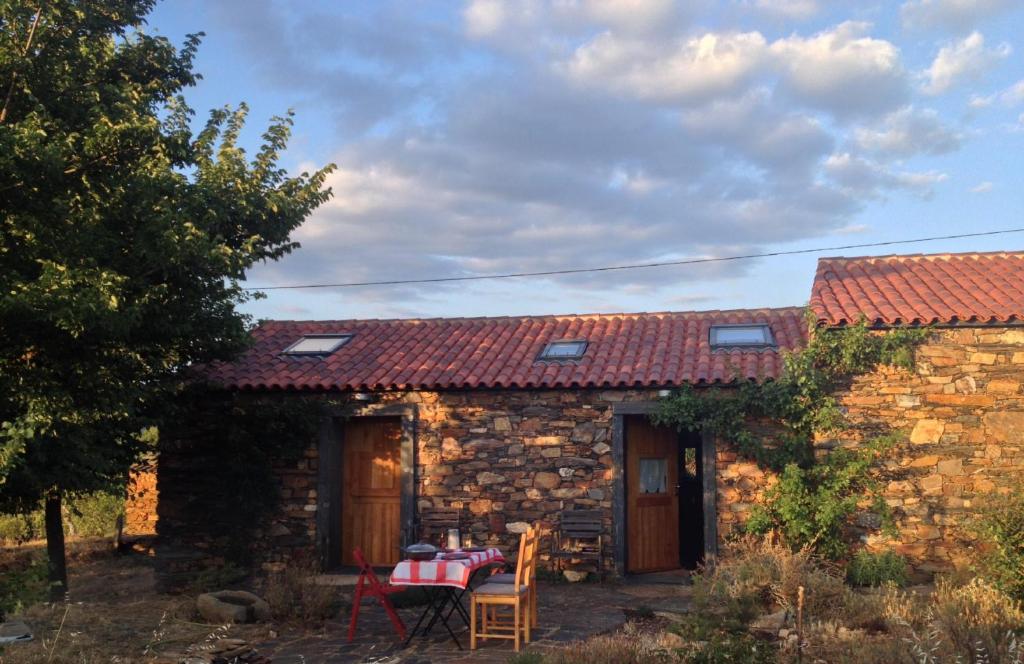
[330, 473]
[709, 498]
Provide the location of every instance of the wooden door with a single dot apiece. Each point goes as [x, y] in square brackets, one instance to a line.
[652, 501]
[371, 495]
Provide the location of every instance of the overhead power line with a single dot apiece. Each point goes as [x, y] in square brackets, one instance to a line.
[637, 266]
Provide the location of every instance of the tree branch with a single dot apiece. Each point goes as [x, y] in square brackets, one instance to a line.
[14, 74]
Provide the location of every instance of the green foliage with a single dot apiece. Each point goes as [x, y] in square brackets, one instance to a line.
[812, 506]
[814, 500]
[243, 441]
[1000, 530]
[21, 527]
[712, 641]
[872, 569]
[123, 238]
[23, 585]
[89, 515]
[95, 514]
[800, 403]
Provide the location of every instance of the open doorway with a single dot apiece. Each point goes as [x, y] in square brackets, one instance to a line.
[664, 487]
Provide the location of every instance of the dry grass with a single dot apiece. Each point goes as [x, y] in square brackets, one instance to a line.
[295, 597]
[757, 575]
[114, 614]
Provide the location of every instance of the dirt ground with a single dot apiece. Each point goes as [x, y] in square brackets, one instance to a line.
[114, 613]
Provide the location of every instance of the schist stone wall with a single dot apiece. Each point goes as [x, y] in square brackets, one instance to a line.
[963, 412]
[513, 457]
[507, 458]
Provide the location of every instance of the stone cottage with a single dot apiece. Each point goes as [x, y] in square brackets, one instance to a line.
[962, 407]
[512, 420]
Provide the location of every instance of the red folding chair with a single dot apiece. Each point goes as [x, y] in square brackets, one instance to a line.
[374, 588]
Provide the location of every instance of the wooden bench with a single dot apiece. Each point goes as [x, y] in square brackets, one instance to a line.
[580, 536]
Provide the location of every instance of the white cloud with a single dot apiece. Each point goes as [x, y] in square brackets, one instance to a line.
[965, 60]
[982, 188]
[1011, 96]
[907, 132]
[950, 14]
[867, 178]
[842, 70]
[760, 133]
[683, 70]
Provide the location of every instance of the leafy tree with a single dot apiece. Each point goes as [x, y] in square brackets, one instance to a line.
[124, 237]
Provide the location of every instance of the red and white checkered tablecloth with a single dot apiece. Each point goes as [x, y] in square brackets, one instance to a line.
[440, 572]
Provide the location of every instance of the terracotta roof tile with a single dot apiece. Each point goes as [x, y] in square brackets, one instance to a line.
[625, 350]
[920, 289]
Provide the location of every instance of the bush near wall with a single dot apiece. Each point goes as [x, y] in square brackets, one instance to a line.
[90, 515]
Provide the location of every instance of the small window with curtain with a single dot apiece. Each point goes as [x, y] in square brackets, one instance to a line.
[653, 475]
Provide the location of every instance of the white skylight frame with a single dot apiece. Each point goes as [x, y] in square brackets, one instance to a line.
[732, 336]
[557, 351]
[317, 344]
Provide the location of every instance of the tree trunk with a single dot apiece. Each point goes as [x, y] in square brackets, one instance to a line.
[58, 567]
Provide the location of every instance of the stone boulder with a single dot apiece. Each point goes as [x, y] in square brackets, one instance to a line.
[232, 606]
[770, 623]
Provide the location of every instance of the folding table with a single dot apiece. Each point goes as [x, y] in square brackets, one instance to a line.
[451, 577]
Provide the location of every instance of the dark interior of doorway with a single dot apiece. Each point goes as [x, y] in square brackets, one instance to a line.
[691, 502]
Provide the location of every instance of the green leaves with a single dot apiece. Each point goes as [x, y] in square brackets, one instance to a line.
[123, 237]
[775, 423]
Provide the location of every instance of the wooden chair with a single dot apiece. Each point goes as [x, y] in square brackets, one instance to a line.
[509, 578]
[374, 588]
[435, 523]
[489, 597]
[579, 537]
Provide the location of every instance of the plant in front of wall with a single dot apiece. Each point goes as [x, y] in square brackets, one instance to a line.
[244, 442]
[815, 498]
[875, 569]
[1000, 531]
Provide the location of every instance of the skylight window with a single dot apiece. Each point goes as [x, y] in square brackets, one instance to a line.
[563, 350]
[741, 336]
[318, 344]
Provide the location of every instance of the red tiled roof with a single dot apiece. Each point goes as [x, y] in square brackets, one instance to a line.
[920, 289]
[625, 350]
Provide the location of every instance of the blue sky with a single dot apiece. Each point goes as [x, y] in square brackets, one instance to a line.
[519, 135]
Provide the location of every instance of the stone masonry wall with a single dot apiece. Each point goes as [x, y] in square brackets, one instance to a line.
[517, 456]
[963, 413]
[507, 458]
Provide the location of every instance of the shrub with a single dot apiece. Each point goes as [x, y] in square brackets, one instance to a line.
[1000, 529]
[20, 528]
[95, 514]
[868, 568]
[812, 507]
[295, 596]
[88, 515]
[975, 616]
[23, 585]
[755, 575]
